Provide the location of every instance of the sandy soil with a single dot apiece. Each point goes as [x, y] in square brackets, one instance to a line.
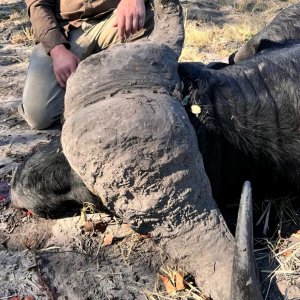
[37, 254]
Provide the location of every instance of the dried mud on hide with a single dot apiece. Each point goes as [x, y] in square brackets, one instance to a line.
[56, 259]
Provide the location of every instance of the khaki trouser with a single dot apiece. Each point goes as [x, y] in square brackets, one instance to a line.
[43, 98]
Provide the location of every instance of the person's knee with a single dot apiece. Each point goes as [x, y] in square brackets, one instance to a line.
[38, 117]
[40, 111]
[40, 123]
[42, 103]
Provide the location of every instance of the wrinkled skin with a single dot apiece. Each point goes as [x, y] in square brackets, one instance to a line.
[138, 152]
[130, 141]
[254, 107]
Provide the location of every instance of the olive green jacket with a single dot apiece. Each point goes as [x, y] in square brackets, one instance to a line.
[52, 19]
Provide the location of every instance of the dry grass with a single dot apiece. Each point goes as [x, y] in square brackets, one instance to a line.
[287, 255]
[17, 28]
[207, 42]
[170, 291]
[24, 36]
[252, 6]
[286, 251]
[283, 252]
[19, 17]
[128, 245]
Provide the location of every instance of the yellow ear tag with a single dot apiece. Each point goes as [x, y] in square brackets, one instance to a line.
[196, 109]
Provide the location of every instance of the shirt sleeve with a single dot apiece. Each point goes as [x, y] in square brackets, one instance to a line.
[44, 23]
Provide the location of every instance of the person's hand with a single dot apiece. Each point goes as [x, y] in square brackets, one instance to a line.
[64, 63]
[130, 17]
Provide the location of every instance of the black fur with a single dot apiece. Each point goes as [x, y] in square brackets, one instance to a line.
[46, 185]
[249, 126]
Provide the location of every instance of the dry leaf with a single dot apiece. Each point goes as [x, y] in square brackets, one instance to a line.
[179, 281]
[88, 225]
[108, 239]
[288, 253]
[170, 288]
[146, 236]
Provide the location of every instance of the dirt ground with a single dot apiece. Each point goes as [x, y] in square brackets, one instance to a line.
[108, 261]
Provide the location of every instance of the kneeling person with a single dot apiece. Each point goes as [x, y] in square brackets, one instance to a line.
[68, 32]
